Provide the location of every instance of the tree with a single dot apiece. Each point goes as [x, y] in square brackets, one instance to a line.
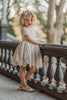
[55, 32]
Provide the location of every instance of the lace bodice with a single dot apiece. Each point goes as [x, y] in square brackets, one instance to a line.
[30, 31]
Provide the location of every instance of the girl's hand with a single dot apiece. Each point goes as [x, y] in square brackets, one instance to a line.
[41, 42]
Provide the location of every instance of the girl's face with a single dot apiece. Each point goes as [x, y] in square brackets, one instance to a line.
[28, 21]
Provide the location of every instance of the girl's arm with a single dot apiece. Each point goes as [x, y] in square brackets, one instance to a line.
[29, 39]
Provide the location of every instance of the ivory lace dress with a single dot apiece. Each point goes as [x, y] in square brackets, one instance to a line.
[26, 52]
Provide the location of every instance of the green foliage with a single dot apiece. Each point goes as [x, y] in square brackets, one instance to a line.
[11, 30]
[63, 60]
[64, 36]
[63, 70]
[44, 28]
[64, 27]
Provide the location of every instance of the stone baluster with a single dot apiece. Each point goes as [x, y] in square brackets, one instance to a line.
[6, 59]
[36, 76]
[59, 75]
[50, 73]
[11, 67]
[18, 72]
[27, 68]
[1, 58]
[42, 72]
[35, 73]
[10, 57]
[14, 68]
[65, 76]
[33, 76]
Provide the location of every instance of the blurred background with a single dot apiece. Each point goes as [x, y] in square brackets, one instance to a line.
[51, 25]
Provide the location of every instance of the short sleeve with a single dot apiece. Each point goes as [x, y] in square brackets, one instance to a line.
[26, 31]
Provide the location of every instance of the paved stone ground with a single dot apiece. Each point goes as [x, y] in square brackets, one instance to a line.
[9, 90]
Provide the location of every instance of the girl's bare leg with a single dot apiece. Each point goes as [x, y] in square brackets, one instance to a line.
[28, 74]
[22, 76]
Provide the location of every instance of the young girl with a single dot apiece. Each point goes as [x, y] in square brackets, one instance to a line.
[27, 52]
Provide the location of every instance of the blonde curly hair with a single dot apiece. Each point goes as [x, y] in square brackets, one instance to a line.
[24, 14]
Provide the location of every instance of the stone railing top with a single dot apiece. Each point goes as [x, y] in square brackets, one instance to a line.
[52, 49]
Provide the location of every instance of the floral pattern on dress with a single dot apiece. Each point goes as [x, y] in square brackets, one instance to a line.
[26, 52]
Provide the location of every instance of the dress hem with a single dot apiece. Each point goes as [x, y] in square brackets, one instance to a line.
[24, 65]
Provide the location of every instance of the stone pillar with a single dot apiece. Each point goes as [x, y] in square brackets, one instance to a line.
[4, 23]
